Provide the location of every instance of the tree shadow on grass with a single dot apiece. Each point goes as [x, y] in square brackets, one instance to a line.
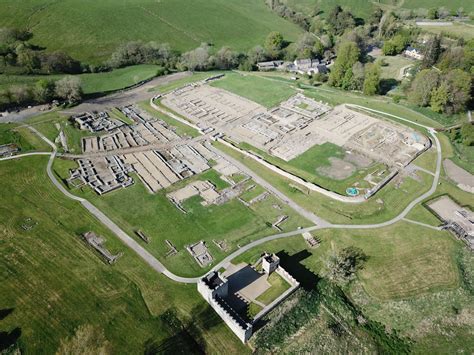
[8, 338]
[386, 85]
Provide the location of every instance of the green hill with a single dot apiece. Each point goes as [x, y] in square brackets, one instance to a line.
[90, 30]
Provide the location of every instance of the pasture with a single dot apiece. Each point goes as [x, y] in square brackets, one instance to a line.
[92, 83]
[457, 30]
[91, 30]
[49, 273]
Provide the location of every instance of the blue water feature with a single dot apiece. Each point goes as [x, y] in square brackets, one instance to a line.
[352, 191]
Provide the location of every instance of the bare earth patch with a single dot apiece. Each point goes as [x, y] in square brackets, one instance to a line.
[338, 170]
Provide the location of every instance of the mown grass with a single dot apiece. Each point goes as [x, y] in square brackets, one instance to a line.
[457, 30]
[386, 204]
[49, 273]
[135, 209]
[196, 76]
[181, 128]
[278, 286]
[80, 28]
[268, 93]
[405, 259]
[306, 166]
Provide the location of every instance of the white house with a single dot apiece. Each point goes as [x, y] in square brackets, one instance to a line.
[413, 53]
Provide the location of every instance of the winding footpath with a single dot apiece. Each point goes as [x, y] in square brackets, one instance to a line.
[320, 223]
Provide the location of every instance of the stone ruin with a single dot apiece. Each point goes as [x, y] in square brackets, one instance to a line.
[97, 243]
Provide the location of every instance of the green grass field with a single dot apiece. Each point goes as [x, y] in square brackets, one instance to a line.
[394, 68]
[306, 166]
[92, 83]
[196, 76]
[388, 202]
[410, 283]
[90, 30]
[268, 93]
[457, 30]
[135, 208]
[49, 274]
[278, 286]
[404, 259]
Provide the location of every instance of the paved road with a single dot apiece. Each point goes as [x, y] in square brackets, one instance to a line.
[305, 213]
[25, 155]
[159, 267]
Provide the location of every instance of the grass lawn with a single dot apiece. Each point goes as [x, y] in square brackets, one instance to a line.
[92, 83]
[117, 79]
[395, 64]
[49, 273]
[306, 166]
[386, 204]
[46, 124]
[458, 30]
[266, 92]
[410, 283]
[464, 156]
[79, 27]
[196, 76]
[404, 259]
[427, 160]
[135, 208]
[278, 286]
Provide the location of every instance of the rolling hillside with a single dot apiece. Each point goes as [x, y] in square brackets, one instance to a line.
[90, 30]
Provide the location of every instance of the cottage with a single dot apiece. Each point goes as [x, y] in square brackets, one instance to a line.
[413, 53]
[307, 66]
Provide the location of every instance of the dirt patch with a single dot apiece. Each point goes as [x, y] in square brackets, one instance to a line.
[338, 170]
[358, 160]
[464, 179]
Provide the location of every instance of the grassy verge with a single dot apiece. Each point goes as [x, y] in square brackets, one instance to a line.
[49, 273]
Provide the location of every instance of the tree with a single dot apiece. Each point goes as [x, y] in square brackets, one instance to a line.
[358, 75]
[256, 54]
[274, 44]
[341, 73]
[340, 20]
[341, 267]
[467, 134]
[422, 87]
[459, 88]
[226, 59]
[86, 341]
[69, 89]
[372, 79]
[196, 59]
[432, 52]
[440, 97]
[433, 13]
[43, 90]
